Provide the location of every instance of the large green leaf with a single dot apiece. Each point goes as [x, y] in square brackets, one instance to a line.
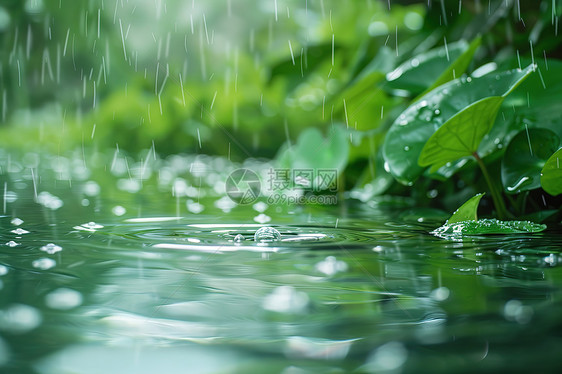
[411, 130]
[422, 71]
[467, 211]
[536, 102]
[457, 230]
[524, 158]
[461, 135]
[551, 174]
[458, 67]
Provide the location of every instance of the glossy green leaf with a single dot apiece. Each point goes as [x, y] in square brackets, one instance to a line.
[551, 174]
[422, 71]
[525, 157]
[457, 230]
[467, 211]
[411, 130]
[536, 102]
[460, 136]
[364, 84]
[294, 69]
[458, 67]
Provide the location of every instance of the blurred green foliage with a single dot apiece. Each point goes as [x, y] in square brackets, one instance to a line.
[242, 78]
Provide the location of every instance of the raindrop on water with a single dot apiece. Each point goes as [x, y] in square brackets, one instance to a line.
[19, 318]
[118, 210]
[44, 263]
[331, 266]
[20, 231]
[51, 248]
[286, 299]
[63, 299]
[262, 218]
[266, 235]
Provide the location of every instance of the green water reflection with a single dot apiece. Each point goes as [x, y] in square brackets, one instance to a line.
[119, 274]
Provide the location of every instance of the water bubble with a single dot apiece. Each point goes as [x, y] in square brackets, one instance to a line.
[63, 299]
[225, 204]
[16, 221]
[260, 207]
[118, 210]
[194, 207]
[378, 249]
[239, 238]
[3, 270]
[20, 231]
[432, 194]
[51, 248]
[266, 235]
[415, 62]
[437, 112]
[91, 188]
[12, 244]
[406, 148]
[550, 259]
[44, 263]
[331, 266]
[386, 167]
[262, 218]
[19, 318]
[49, 201]
[90, 226]
[468, 79]
[286, 299]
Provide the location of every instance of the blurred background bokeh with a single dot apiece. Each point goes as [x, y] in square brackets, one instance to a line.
[223, 76]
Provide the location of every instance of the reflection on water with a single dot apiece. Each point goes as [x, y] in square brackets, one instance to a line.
[100, 277]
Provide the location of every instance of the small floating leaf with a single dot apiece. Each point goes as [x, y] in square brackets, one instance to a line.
[524, 158]
[551, 174]
[467, 211]
[485, 227]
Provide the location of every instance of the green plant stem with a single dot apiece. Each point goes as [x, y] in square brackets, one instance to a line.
[496, 195]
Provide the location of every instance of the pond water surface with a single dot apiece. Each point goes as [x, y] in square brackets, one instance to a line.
[134, 268]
